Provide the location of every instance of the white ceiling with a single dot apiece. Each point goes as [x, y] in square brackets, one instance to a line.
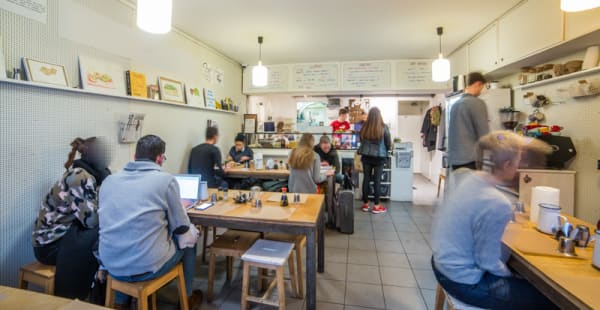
[334, 30]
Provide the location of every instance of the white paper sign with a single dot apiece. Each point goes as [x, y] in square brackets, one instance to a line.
[323, 76]
[34, 9]
[367, 75]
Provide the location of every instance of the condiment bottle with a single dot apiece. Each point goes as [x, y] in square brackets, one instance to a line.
[284, 198]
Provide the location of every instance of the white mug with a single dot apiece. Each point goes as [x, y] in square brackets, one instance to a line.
[548, 218]
[596, 256]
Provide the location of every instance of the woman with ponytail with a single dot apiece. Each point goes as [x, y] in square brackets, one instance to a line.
[66, 229]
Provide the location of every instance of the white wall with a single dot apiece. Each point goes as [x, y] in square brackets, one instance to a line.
[37, 124]
[580, 118]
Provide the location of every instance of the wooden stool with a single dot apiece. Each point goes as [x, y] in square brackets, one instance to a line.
[142, 290]
[453, 304]
[299, 242]
[270, 255]
[440, 179]
[233, 243]
[38, 274]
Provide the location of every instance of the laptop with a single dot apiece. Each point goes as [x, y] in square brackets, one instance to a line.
[189, 189]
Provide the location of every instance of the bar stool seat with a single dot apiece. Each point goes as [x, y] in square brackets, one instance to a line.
[232, 243]
[453, 303]
[38, 274]
[143, 289]
[270, 255]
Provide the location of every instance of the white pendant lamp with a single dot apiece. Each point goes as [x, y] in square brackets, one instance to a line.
[260, 73]
[154, 16]
[440, 68]
[578, 5]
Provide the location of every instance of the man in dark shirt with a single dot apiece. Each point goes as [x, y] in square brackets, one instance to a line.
[205, 159]
[329, 156]
[240, 152]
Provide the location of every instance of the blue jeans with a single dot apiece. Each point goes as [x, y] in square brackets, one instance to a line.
[187, 256]
[494, 292]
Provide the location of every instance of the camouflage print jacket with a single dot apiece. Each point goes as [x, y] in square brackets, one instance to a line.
[73, 197]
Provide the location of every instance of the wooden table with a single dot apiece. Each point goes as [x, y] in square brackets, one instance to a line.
[571, 283]
[305, 219]
[240, 173]
[14, 298]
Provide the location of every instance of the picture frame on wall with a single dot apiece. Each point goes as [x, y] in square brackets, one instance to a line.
[195, 96]
[45, 72]
[171, 90]
[250, 123]
[101, 76]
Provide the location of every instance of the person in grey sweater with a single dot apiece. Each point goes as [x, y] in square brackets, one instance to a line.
[468, 122]
[144, 229]
[305, 167]
[468, 259]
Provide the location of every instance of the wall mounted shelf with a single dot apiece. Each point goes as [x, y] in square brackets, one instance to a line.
[560, 78]
[87, 92]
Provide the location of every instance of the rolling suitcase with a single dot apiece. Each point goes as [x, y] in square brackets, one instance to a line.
[344, 207]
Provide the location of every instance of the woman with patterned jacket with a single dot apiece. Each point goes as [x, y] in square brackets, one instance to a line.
[66, 229]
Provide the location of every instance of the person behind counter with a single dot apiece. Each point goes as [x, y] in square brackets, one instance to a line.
[329, 156]
[205, 160]
[240, 152]
[374, 148]
[305, 167]
[66, 229]
[468, 259]
[363, 118]
[144, 229]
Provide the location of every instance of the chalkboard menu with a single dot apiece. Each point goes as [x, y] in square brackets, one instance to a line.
[366, 75]
[278, 79]
[415, 74]
[315, 76]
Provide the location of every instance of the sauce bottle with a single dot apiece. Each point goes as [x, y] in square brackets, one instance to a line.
[284, 198]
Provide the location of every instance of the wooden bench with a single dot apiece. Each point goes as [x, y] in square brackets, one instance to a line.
[144, 289]
[38, 274]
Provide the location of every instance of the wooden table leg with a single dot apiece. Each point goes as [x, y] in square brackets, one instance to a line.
[311, 274]
[321, 244]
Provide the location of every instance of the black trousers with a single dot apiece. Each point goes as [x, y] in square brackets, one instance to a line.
[75, 263]
[372, 170]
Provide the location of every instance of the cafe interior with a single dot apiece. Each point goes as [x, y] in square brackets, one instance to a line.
[183, 123]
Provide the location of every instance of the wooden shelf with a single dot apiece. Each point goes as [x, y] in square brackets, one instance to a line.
[87, 92]
[559, 78]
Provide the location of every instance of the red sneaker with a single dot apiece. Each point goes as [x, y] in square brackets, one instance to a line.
[378, 209]
[365, 207]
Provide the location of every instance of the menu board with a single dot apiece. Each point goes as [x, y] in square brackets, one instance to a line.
[366, 75]
[277, 80]
[315, 76]
[416, 74]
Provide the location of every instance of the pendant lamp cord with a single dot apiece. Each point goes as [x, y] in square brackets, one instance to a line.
[260, 41]
[440, 31]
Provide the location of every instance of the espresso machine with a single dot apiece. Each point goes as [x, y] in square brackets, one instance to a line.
[509, 117]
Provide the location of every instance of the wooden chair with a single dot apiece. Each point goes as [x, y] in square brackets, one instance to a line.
[233, 244]
[270, 255]
[38, 274]
[299, 242]
[142, 290]
[453, 304]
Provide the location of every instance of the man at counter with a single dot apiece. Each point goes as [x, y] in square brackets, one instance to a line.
[329, 156]
[205, 160]
[240, 152]
[468, 123]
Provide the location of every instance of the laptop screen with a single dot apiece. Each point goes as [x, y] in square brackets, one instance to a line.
[189, 185]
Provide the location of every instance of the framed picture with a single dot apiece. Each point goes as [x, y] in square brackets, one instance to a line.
[250, 123]
[101, 76]
[195, 96]
[43, 72]
[171, 90]
[209, 99]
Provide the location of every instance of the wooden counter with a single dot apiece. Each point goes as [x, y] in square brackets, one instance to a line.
[14, 298]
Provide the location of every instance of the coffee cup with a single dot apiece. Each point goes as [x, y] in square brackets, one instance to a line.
[549, 218]
[566, 245]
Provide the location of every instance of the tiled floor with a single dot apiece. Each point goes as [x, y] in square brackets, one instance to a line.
[385, 264]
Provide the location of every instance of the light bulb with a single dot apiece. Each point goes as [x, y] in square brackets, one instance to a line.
[260, 75]
[440, 69]
[578, 5]
[154, 16]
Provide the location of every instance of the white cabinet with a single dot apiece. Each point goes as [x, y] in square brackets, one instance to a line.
[564, 180]
[459, 61]
[530, 27]
[580, 23]
[483, 50]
